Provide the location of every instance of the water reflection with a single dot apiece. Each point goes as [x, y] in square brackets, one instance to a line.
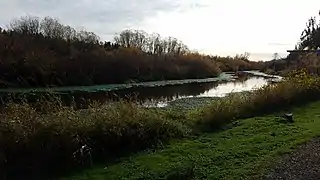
[237, 86]
[244, 84]
[148, 96]
[160, 96]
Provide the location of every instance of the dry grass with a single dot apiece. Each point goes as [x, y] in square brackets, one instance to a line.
[298, 88]
[42, 142]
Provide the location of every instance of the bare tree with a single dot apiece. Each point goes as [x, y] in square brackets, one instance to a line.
[26, 24]
[123, 39]
[87, 37]
[275, 56]
[51, 27]
[150, 43]
[132, 38]
[69, 33]
[153, 42]
[246, 55]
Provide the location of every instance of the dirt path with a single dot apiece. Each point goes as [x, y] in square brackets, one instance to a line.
[303, 164]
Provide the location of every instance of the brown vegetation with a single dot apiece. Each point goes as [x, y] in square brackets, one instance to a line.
[294, 61]
[42, 52]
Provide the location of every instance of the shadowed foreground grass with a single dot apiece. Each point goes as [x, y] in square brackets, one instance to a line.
[46, 141]
[244, 151]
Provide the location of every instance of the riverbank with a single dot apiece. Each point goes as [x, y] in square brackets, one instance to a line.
[114, 87]
[148, 94]
[246, 150]
[56, 133]
[199, 102]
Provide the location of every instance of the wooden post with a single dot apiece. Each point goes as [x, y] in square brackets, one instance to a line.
[289, 117]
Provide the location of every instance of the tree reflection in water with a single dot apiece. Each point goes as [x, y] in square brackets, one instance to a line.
[163, 94]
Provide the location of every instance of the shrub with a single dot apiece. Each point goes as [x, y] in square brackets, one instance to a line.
[42, 143]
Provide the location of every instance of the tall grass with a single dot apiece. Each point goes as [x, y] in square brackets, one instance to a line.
[36, 142]
[298, 88]
[51, 138]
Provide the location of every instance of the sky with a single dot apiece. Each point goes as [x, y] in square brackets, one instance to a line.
[227, 27]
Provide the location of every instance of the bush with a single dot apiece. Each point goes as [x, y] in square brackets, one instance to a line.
[42, 143]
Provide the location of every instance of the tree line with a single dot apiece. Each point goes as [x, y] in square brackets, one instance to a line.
[41, 52]
[309, 40]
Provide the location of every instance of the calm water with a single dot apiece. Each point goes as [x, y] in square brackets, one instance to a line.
[160, 96]
[214, 90]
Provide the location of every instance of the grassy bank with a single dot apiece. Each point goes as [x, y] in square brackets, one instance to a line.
[47, 138]
[245, 151]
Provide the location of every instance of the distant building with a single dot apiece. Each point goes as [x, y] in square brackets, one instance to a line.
[304, 51]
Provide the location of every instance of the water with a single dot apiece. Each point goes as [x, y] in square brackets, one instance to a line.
[151, 94]
[215, 90]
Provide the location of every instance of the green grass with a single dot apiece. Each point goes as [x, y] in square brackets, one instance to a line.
[245, 151]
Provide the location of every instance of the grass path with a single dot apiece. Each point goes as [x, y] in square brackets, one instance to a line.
[245, 151]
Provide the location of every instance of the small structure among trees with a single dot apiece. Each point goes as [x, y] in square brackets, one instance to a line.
[296, 51]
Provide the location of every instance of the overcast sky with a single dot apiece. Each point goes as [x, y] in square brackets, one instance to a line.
[225, 27]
